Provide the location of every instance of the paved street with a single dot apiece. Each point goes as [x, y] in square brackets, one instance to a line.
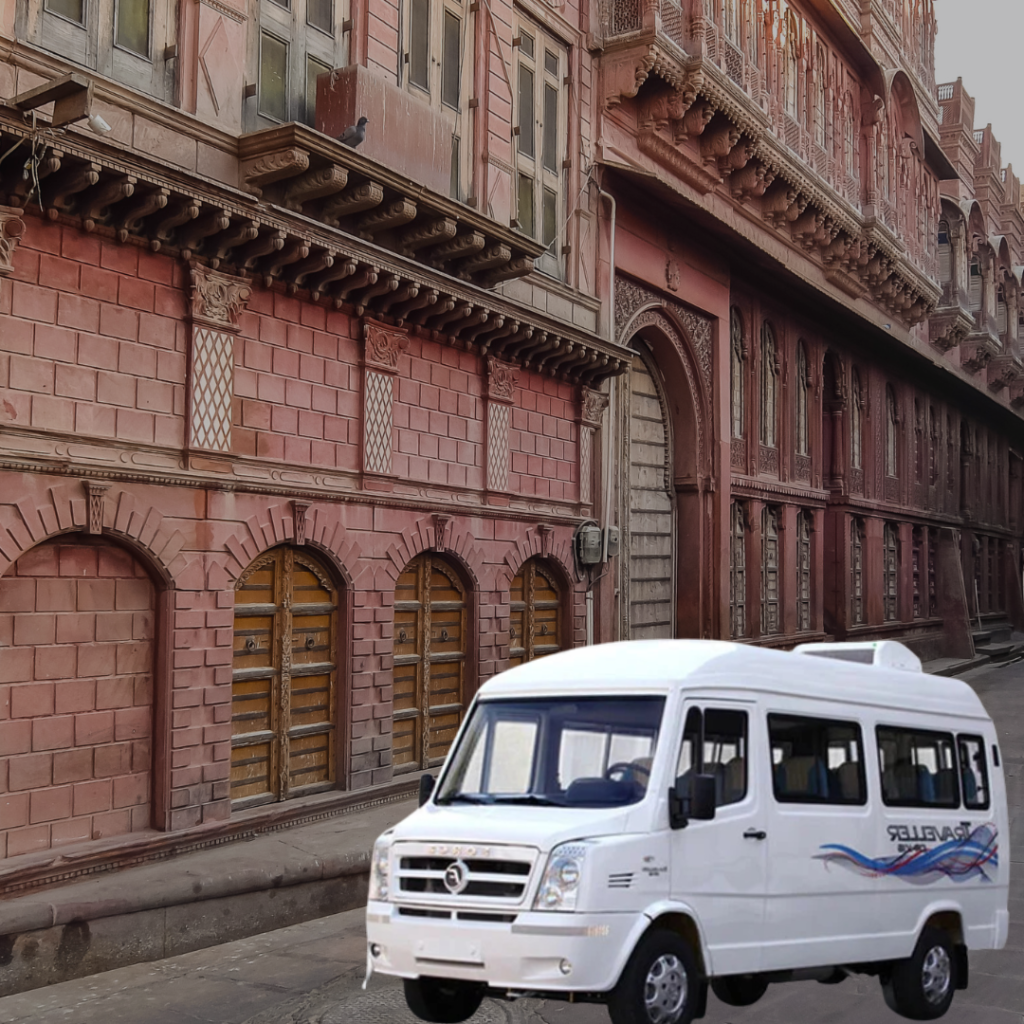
[311, 973]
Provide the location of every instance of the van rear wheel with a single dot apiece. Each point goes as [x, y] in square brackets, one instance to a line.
[739, 989]
[441, 1001]
[660, 985]
[921, 987]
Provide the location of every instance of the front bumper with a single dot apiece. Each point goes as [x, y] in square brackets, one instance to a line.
[528, 954]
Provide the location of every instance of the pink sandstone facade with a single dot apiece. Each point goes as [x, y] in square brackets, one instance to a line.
[294, 438]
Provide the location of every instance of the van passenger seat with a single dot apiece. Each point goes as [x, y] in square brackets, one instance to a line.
[970, 787]
[945, 786]
[925, 785]
[848, 774]
[802, 776]
[735, 782]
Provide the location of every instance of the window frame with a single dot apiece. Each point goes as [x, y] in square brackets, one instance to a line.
[915, 731]
[986, 778]
[533, 174]
[827, 800]
[769, 433]
[701, 710]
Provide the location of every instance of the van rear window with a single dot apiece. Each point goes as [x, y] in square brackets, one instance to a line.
[816, 760]
[973, 772]
[918, 768]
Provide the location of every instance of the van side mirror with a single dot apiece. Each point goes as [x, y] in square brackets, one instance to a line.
[693, 796]
[426, 788]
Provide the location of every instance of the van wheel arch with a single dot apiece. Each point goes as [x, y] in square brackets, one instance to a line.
[952, 924]
[685, 927]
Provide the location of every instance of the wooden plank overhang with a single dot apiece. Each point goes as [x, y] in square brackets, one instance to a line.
[315, 218]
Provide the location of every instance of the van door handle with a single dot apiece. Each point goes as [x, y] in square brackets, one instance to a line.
[755, 833]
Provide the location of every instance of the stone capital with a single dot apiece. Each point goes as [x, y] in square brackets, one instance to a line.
[11, 229]
[383, 345]
[217, 299]
[502, 379]
[592, 406]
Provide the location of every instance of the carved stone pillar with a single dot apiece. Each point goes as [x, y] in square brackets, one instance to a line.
[382, 347]
[217, 303]
[592, 407]
[502, 379]
[11, 228]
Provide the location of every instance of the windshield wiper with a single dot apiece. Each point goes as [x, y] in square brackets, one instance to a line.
[536, 799]
[465, 798]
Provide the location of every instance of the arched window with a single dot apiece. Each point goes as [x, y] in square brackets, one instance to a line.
[770, 596]
[429, 662]
[918, 440]
[917, 558]
[284, 686]
[933, 447]
[891, 432]
[820, 83]
[737, 384]
[803, 571]
[754, 28]
[731, 20]
[802, 391]
[1001, 318]
[890, 571]
[849, 138]
[738, 571]
[857, 572]
[535, 620]
[791, 71]
[769, 379]
[974, 285]
[945, 254]
[856, 408]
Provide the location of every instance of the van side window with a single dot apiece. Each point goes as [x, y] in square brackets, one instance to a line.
[816, 761]
[973, 772]
[918, 768]
[715, 743]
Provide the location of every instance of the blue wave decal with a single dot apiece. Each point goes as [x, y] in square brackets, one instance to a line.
[959, 859]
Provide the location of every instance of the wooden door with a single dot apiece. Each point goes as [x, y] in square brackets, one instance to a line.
[650, 518]
[535, 627]
[284, 690]
[430, 658]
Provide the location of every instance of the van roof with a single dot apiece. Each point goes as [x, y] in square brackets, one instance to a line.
[664, 665]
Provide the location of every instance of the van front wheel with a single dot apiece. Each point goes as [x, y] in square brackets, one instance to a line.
[660, 984]
[439, 1001]
[922, 986]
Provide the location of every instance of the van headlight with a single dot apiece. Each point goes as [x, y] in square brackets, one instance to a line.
[380, 871]
[560, 886]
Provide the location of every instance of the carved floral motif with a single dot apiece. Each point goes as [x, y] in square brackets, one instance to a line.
[502, 379]
[217, 299]
[11, 228]
[384, 345]
[593, 405]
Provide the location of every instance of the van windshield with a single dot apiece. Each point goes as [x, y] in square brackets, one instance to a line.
[593, 752]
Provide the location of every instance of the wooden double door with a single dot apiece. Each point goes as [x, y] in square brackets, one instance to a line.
[429, 662]
[284, 686]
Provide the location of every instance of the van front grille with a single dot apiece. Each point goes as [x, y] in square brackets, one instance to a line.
[424, 875]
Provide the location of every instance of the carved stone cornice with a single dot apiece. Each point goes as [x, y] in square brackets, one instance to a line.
[217, 299]
[592, 407]
[383, 345]
[502, 379]
[677, 161]
[1003, 372]
[947, 327]
[11, 229]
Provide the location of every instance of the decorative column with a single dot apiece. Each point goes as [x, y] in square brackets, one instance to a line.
[11, 229]
[592, 408]
[502, 379]
[382, 347]
[217, 303]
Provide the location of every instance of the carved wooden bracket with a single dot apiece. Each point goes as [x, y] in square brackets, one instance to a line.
[11, 229]
[217, 299]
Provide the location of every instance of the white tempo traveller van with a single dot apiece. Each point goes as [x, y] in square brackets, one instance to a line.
[629, 823]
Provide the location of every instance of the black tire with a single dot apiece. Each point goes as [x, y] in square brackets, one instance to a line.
[660, 984]
[921, 987]
[441, 1001]
[739, 989]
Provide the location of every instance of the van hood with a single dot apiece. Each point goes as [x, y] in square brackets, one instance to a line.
[511, 825]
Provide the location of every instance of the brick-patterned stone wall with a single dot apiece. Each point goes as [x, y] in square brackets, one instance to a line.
[95, 343]
[544, 439]
[76, 695]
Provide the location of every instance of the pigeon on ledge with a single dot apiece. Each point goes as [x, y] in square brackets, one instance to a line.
[354, 134]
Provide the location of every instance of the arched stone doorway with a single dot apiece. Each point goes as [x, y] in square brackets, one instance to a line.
[666, 566]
